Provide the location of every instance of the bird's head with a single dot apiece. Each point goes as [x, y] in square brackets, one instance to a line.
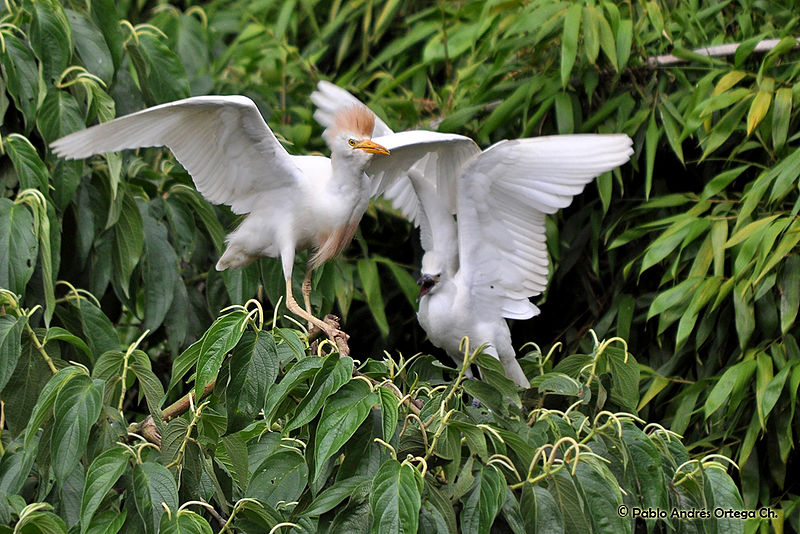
[350, 136]
[427, 284]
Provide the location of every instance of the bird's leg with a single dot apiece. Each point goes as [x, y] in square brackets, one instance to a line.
[335, 335]
[307, 293]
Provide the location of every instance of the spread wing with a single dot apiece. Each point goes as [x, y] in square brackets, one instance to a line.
[438, 230]
[502, 199]
[444, 153]
[222, 141]
[330, 99]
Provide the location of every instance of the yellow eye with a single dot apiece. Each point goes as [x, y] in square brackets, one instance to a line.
[351, 142]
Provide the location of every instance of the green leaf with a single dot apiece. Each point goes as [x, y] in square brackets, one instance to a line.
[56, 333]
[569, 41]
[370, 281]
[21, 75]
[159, 271]
[103, 473]
[601, 493]
[51, 38]
[758, 109]
[789, 286]
[539, 508]
[335, 494]
[59, 115]
[91, 47]
[128, 242]
[781, 114]
[75, 409]
[395, 498]
[31, 170]
[342, 415]
[161, 74]
[97, 328]
[282, 476]
[733, 379]
[43, 408]
[254, 368]
[335, 372]
[651, 137]
[149, 384]
[204, 211]
[221, 337]
[184, 522]
[10, 345]
[389, 412]
[646, 464]
[153, 485]
[483, 501]
[18, 246]
[41, 523]
[107, 522]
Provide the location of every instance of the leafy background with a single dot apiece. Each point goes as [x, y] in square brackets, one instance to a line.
[112, 310]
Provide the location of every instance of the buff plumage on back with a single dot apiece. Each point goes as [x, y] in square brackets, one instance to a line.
[357, 120]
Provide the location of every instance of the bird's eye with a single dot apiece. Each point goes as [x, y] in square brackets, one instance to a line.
[351, 142]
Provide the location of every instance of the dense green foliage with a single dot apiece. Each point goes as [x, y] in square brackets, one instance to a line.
[111, 309]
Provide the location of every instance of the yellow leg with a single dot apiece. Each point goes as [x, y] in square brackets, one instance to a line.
[307, 292]
[295, 308]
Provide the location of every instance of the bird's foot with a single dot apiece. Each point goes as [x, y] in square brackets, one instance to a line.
[330, 327]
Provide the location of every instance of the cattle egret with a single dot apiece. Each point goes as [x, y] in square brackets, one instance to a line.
[481, 267]
[291, 202]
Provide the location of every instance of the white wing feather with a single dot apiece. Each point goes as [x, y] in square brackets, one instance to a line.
[503, 197]
[438, 230]
[444, 153]
[222, 141]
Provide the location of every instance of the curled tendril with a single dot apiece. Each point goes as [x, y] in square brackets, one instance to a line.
[392, 451]
[257, 311]
[274, 529]
[506, 462]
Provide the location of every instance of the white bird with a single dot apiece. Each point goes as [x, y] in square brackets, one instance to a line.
[482, 267]
[291, 202]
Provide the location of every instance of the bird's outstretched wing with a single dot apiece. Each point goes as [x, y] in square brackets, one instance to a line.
[437, 227]
[222, 141]
[444, 154]
[502, 200]
[330, 99]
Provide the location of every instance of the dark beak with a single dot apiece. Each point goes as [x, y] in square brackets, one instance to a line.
[425, 283]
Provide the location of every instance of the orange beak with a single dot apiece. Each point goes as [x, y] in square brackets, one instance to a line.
[372, 147]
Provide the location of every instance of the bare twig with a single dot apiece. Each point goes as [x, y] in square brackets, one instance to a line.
[713, 51]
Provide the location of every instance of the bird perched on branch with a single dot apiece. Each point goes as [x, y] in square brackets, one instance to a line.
[482, 266]
[291, 202]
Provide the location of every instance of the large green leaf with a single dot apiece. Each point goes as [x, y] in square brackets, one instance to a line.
[282, 476]
[51, 38]
[483, 501]
[10, 345]
[154, 487]
[21, 75]
[101, 476]
[75, 409]
[18, 246]
[254, 368]
[128, 242]
[161, 74]
[342, 415]
[333, 374]
[159, 270]
[220, 338]
[395, 498]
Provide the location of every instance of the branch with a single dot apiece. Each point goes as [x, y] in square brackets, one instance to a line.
[713, 51]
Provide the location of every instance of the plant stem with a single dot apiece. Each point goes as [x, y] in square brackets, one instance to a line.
[40, 348]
